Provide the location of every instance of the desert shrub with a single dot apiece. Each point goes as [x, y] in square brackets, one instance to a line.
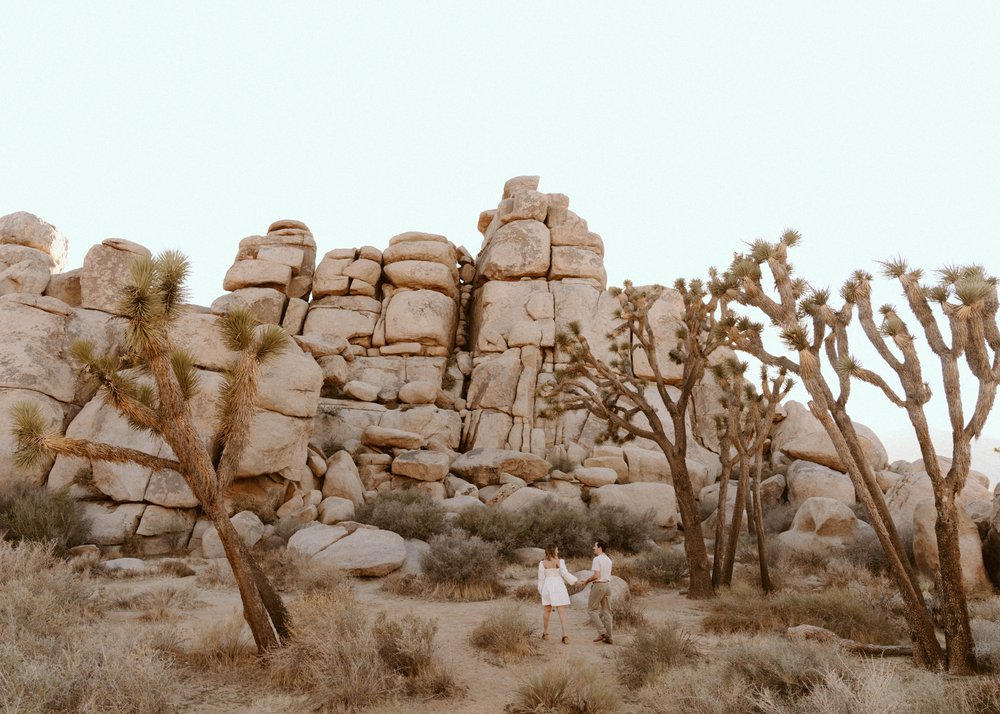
[411, 514]
[986, 635]
[217, 574]
[404, 584]
[224, 644]
[624, 531]
[52, 642]
[659, 566]
[652, 651]
[566, 688]
[788, 668]
[343, 661]
[744, 609]
[703, 687]
[549, 521]
[158, 604]
[462, 567]
[627, 614]
[981, 696]
[868, 553]
[493, 525]
[778, 519]
[177, 568]
[30, 513]
[290, 571]
[525, 591]
[505, 633]
[876, 687]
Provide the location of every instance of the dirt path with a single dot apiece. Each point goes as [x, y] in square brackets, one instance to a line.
[489, 685]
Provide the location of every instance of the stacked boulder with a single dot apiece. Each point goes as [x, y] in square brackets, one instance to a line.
[272, 276]
[31, 250]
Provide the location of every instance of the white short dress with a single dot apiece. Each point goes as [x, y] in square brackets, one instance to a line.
[551, 586]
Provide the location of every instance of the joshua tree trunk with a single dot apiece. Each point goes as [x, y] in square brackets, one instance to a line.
[699, 574]
[758, 519]
[737, 522]
[264, 632]
[720, 521]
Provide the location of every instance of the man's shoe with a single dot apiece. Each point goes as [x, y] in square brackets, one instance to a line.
[607, 640]
[600, 638]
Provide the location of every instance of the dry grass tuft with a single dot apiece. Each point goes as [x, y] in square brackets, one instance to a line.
[703, 687]
[652, 651]
[34, 514]
[175, 567]
[526, 592]
[744, 609]
[566, 688]
[506, 634]
[52, 642]
[225, 644]
[658, 567]
[217, 574]
[290, 571]
[628, 615]
[404, 585]
[786, 667]
[159, 604]
[342, 661]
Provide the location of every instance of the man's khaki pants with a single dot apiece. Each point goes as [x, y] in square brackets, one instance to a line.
[599, 608]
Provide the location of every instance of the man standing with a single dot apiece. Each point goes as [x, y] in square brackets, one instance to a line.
[599, 605]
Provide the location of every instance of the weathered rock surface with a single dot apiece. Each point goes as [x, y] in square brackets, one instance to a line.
[483, 467]
[641, 499]
[365, 552]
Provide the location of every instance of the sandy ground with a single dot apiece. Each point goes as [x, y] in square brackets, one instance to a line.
[489, 685]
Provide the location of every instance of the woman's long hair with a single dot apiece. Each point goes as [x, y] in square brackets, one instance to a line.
[550, 551]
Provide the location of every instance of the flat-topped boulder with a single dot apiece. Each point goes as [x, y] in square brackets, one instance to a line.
[483, 467]
[801, 436]
[421, 465]
[312, 539]
[366, 552]
[390, 438]
[657, 500]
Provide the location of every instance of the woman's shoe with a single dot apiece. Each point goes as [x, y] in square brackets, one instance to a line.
[565, 639]
[545, 635]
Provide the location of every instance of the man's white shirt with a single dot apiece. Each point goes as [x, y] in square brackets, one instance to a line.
[602, 568]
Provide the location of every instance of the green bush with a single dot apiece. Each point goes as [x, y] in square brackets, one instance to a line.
[31, 513]
[411, 514]
[624, 531]
[659, 566]
[463, 567]
[493, 525]
[549, 521]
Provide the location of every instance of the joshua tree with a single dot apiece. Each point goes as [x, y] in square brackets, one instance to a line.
[744, 429]
[612, 391]
[967, 297]
[150, 302]
[804, 319]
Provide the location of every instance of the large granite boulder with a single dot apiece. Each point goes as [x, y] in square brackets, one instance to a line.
[970, 546]
[806, 480]
[28, 230]
[641, 499]
[483, 467]
[365, 552]
[801, 436]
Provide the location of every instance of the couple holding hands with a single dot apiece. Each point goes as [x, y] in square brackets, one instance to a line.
[552, 579]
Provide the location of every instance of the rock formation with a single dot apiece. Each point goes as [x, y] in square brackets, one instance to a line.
[413, 366]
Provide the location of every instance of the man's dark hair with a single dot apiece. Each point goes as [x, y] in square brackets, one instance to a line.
[603, 545]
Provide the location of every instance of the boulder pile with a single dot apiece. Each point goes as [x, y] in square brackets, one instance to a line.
[415, 366]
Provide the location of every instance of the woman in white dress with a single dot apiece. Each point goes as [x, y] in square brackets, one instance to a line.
[551, 586]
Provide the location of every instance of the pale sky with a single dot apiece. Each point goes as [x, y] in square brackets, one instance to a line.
[679, 130]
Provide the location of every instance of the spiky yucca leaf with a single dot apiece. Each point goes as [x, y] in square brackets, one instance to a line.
[895, 267]
[791, 237]
[795, 338]
[237, 328]
[28, 429]
[761, 250]
[271, 342]
[938, 293]
[847, 366]
[972, 289]
[172, 268]
[82, 351]
[187, 375]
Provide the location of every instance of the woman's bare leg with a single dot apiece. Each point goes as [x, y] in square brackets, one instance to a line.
[546, 612]
[562, 620]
